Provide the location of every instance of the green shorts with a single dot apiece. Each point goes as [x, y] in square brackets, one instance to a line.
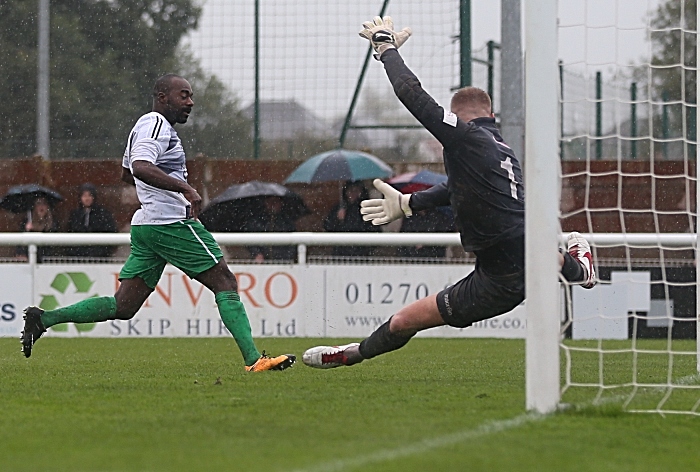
[187, 245]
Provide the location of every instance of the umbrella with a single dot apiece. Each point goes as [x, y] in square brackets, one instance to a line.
[340, 164]
[21, 197]
[230, 210]
[415, 181]
[422, 180]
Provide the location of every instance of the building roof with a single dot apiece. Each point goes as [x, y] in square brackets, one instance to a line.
[286, 120]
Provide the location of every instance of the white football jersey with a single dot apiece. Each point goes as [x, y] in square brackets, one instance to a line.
[154, 140]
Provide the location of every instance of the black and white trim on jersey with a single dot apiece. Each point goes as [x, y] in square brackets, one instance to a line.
[130, 143]
[157, 127]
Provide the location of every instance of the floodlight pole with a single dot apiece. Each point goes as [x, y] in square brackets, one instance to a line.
[542, 169]
[511, 103]
[465, 43]
[42, 93]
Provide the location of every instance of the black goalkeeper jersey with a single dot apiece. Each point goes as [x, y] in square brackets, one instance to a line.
[485, 182]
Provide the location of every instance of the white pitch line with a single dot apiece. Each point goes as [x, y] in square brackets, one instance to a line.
[424, 445]
[485, 429]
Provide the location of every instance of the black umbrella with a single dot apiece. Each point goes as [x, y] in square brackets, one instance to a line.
[229, 211]
[21, 197]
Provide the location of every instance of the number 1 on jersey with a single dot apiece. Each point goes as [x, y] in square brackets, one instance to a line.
[508, 166]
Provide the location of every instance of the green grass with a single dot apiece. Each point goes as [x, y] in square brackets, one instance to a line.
[435, 405]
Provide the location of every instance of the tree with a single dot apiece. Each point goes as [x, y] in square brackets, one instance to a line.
[218, 127]
[672, 73]
[105, 55]
[673, 34]
[18, 78]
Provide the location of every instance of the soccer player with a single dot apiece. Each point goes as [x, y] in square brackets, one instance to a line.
[165, 229]
[485, 191]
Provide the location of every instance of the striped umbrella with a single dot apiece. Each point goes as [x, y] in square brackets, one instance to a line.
[340, 164]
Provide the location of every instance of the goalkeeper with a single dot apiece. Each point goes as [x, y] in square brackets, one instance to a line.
[485, 191]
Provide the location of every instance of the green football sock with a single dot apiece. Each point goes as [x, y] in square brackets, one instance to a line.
[233, 315]
[90, 310]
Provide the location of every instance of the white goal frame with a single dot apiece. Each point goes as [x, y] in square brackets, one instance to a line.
[541, 165]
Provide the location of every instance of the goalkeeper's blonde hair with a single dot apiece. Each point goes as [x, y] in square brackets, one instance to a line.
[470, 103]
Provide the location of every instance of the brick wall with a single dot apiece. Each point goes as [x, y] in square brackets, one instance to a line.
[609, 186]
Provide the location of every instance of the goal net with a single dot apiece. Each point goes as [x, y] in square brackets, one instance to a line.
[627, 143]
[312, 85]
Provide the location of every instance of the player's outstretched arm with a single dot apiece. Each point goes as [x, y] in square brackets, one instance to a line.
[433, 197]
[381, 35]
[385, 41]
[393, 206]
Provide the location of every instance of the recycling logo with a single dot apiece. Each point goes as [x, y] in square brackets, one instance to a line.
[68, 288]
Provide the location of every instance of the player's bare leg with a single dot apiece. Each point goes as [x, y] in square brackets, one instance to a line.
[417, 316]
[394, 334]
[130, 297]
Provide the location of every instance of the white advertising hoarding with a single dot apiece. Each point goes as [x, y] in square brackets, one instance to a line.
[360, 298]
[15, 295]
[281, 300]
[179, 306]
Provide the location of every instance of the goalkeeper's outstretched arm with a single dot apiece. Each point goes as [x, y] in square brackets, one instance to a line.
[433, 197]
[441, 123]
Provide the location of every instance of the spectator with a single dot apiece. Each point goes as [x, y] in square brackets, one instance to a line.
[433, 220]
[90, 217]
[346, 217]
[271, 218]
[41, 220]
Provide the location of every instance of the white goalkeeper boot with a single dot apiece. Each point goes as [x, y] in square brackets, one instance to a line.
[580, 250]
[328, 357]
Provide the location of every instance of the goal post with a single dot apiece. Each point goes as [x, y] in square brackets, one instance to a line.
[541, 178]
[697, 194]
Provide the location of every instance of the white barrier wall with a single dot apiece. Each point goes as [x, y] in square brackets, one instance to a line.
[281, 300]
[15, 294]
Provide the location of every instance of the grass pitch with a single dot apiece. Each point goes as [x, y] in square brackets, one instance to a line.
[187, 404]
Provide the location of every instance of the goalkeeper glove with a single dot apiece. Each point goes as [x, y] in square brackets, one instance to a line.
[381, 35]
[393, 206]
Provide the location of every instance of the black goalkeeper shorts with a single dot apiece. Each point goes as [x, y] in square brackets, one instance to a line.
[496, 286]
[480, 296]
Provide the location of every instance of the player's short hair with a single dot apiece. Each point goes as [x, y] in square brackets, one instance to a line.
[472, 99]
[163, 84]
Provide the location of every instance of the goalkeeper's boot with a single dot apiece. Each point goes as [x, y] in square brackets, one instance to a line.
[580, 250]
[33, 329]
[272, 363]
[328, 357]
